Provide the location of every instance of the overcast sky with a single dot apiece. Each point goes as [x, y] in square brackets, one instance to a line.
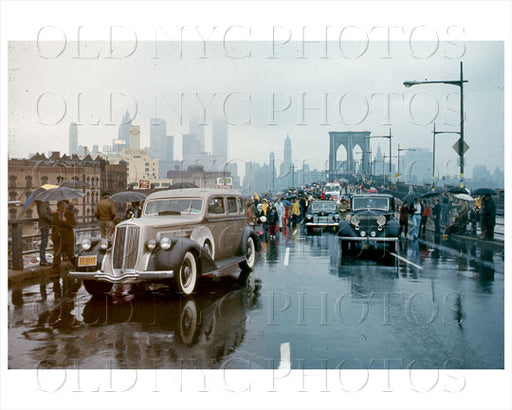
[51, 85]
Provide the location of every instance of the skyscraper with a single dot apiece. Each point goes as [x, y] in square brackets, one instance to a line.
[124, 130]
[73, 138]
[220, 141]
[196, 128]
[157, 134]
[272, 172]
[135, 136]
[286, 169]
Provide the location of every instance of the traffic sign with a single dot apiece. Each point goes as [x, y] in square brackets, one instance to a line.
[456, 147]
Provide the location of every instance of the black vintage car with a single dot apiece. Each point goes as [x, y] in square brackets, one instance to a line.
[322, 214]
[371, 223]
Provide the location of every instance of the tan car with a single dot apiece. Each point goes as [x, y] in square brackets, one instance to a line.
[182, 235]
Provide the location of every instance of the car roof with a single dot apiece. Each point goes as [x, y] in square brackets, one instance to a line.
[192, 192]
[372, 195]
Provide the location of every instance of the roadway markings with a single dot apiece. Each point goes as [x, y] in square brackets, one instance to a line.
[405, 260]
[286, 257]
[285, 363]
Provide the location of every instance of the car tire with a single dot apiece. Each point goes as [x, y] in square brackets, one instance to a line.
[309, 230]
[186, 277]
[250, 254]
[97, 287]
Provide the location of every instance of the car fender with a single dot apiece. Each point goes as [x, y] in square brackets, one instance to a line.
[201, 234]
[392, 227]
[246, 233]
[170, 259]
[93, 250]
[345, 229]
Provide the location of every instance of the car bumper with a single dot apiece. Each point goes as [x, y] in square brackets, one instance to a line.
[367, 239]
[127, 277]
[322, 224]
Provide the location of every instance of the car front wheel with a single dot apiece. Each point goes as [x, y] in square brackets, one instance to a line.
[186, 278]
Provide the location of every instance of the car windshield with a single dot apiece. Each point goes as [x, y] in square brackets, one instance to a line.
[370, 203]
[181, 206]
[328, 206]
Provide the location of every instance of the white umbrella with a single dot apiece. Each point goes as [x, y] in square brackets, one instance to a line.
[464, 197]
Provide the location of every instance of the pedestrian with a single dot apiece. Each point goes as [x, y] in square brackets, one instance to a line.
[473, 218]
[436, 215]
[425, 214]
[488, 218]
[280, 211]
[63, 236]
[445, 208]
[273, 220]
[45, 220]
[404, 219]
[134, 211]
[105, 212]
[295, 212]
[416, 218]
[249, 213]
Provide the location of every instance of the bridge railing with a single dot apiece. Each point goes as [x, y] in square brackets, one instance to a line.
[26, 244]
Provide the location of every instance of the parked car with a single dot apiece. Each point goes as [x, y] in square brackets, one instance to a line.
[181, 236]
[322, 214]
[370, 223]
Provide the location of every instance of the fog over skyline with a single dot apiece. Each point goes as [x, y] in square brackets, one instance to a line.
[264, 91]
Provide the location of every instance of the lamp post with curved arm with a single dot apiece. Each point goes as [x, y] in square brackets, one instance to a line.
[434, 133]
[398, 158]
[458, 83]
[389, 136]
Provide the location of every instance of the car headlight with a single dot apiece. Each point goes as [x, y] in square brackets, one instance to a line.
[86, 244]
[373, 234]
[363, 233]
[355, 220]
[151, 244]
[381, 220]
[165, 243]
[104, 243]
[336, 217]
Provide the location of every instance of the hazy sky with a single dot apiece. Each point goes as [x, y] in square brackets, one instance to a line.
[263, 90]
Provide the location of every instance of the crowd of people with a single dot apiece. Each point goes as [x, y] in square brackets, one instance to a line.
[456, 216]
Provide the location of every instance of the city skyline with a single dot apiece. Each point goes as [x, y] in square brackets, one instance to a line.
[269, 99]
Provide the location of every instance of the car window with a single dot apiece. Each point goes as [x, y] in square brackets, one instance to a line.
[181, 206]
[370, 203]
[232, 209]
[216, 206]
[240, 205]
[327, 206]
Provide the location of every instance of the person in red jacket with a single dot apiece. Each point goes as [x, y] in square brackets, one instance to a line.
[404, 219]
[425, 214]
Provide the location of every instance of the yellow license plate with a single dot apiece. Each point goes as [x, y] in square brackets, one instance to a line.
[87, 260]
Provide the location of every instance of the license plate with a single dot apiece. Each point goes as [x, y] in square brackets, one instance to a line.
[87, 260]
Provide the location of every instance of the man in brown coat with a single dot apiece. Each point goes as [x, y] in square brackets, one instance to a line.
[105, 212]
[63, 236]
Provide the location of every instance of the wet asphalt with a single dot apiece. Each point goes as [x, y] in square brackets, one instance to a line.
[438, 305]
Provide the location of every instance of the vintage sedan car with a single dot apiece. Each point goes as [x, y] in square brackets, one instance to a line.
[182, 235]
[322, 214]
[371, 223]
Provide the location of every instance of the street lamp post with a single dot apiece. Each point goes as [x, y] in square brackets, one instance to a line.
[458, 83]
[434, 133]
[389, 136]
[398, 157]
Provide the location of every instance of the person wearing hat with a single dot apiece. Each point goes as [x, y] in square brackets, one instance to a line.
[63, 236]
[105, 212]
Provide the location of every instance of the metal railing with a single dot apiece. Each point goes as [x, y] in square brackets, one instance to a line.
[20, 245]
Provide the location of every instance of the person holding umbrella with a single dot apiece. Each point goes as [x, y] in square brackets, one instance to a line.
[436, 215]
[45, 220]
[63, 236]
[135, 211]
[488, 217]
[105, 213]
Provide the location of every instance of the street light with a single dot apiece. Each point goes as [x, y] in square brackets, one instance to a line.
[398, 156]
[389, 136]
[434, 133]
[458, 83]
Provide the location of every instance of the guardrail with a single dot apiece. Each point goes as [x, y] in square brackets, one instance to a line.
[18, 241]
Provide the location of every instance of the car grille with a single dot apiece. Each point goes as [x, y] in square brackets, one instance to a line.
[321, 219]
[126, 247]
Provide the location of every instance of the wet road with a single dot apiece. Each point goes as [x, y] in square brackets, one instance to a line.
[439, 306]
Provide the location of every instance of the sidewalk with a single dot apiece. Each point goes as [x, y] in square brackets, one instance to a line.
[34, 273]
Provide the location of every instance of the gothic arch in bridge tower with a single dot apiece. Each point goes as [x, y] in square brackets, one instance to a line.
[349, 140]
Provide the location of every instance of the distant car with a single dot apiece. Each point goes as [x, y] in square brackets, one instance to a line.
[371, 223]
[182, 235]
[322, 214]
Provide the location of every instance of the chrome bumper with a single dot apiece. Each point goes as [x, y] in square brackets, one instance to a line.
[329, 224]
[132, 276]
[367, 238]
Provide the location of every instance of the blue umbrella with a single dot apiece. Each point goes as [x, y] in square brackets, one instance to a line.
[287, 203]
